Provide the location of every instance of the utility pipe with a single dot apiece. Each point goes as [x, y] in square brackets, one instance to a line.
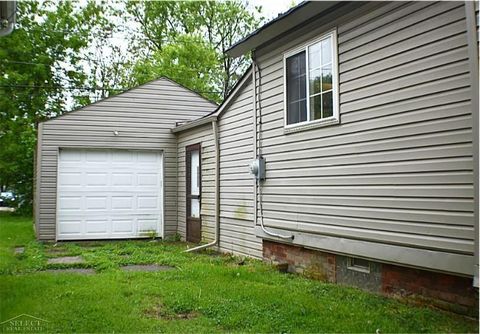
[258, 184]
[216, 241]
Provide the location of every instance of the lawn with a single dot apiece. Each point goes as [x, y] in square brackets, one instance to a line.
[206, 292]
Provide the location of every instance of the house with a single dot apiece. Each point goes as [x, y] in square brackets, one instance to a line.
[360, 121]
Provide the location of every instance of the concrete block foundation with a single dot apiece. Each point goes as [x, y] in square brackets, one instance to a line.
[446, 291]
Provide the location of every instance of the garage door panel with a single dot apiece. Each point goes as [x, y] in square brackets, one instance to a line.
[122, 226]
[70, 227]
[146, 225]
[147, 202]
[97, 156]
[96, 202]
[70, 203]
[147, 179]
[123, 202]
[69, 179]
[96, 226]
[105, 194]
[122, 179]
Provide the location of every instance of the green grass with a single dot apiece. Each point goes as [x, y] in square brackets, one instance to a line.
[207, 293]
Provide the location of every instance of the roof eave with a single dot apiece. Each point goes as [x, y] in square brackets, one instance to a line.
[279, 26]
[195, 123]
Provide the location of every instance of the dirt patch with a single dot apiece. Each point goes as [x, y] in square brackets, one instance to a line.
[147, 267]
[66, 260]
[81, 271]
[159, 312]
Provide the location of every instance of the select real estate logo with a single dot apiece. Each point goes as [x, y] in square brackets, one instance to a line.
[23, 323]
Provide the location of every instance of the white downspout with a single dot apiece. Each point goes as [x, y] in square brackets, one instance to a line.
[258, 184]
[216, 241]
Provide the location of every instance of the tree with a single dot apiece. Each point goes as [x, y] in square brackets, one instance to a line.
[206, 24]
[191, 62]
[40, 73]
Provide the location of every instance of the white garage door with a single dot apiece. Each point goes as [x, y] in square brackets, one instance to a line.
[104, 194]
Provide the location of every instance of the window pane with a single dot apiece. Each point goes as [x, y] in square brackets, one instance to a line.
[327, 51]
[315, 82]
[296, 65]
[297, 112]
[326, 78]
[195, 208]
[195, 173]
[296, 89]
[316, 107]
[327, 102]
[314, 56]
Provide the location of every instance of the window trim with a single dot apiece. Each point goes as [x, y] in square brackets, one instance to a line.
[310, 124]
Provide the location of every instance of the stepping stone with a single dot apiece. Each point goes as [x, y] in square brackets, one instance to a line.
[19, 250]
[66, 260]
[146, 267]
[81, 271]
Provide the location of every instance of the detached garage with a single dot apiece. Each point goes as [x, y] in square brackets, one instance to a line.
[108, 170]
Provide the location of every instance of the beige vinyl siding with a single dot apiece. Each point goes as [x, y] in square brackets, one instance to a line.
[237, 229]
[199, 135]
[143, 117]
[397, 170]
[235, 131]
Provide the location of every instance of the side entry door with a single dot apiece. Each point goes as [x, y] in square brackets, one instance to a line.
[194, 190]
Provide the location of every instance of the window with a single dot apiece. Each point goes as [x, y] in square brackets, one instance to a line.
[311, 94]
[358, 264]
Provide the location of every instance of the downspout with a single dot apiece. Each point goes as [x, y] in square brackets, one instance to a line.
[258, 183]
[216, 241]
[473, 62]
[254, 135]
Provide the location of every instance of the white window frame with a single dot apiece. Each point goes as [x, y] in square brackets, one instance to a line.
[308, 124]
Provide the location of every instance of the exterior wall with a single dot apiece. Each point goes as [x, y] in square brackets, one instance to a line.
[393, 181]
[237, 234]
[449, 292]
[143, 117]
[235, 129]
[200, 135]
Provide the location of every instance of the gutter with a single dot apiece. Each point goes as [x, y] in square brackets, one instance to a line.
[216, 241]
[195, 123]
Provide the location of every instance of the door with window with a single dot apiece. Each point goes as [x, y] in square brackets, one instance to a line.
[194, 190]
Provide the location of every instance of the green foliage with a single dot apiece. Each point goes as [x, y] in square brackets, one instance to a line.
[39, 60]
[191, 62]
[206, 293]
[192, 32]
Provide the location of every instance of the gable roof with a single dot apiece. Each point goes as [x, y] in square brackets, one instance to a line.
[305, 11]
[246, 77]
[162, 78]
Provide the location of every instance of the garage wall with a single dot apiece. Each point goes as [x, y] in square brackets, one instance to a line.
[143, 116]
